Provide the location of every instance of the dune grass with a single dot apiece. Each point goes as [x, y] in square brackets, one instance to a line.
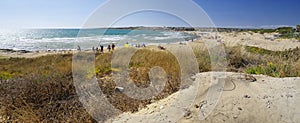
[41, 89]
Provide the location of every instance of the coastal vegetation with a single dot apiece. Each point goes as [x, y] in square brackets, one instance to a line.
[41, 89]
[284, 32]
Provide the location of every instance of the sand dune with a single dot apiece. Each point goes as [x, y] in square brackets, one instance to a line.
[267, 100]
[258, 40]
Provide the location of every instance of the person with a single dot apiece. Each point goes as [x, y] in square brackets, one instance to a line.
[101, 48]
[113, 46]
[97, 49]
[93, 48]
[138, 45]
[126, 45]
[144, 45]
[161, 47]
[78, 48]
[109, 48]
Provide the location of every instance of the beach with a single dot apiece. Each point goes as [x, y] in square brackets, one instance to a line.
[262, 99]
[267, 100]
[149, 61]
[258, 40]
[229, 39]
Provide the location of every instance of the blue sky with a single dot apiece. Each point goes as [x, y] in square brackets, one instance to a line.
[252, 12]
[73, 13]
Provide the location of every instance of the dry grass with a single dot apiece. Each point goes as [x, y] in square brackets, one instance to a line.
[41, 89]
[140, 64]
[253, 60]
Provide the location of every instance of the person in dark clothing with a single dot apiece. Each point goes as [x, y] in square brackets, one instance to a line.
[109, 48]
[113, 46]
[101, 48]
[161, 47]
[97, 49]
[78, 48]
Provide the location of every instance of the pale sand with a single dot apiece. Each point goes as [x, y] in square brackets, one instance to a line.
[33, 54]
[4, 53]
[271, 99]
[268, 100]
[258, 40]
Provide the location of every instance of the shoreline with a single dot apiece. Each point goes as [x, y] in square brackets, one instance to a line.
[228, 39]
[38, 53]
[10, 53]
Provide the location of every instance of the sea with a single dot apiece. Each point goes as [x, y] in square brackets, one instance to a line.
[68, 39]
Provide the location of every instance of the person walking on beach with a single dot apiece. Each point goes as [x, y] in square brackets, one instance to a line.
[109, 48]
[113, 46]
[78, 48]
[101, 48]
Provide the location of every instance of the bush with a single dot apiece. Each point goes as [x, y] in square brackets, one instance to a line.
[285, 30]
[5, 76]
[270, 70]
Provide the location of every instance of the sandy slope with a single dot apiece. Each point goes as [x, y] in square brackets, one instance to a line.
[258, 40]
[268, 100]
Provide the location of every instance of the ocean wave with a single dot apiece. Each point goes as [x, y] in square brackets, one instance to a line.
[66, 39]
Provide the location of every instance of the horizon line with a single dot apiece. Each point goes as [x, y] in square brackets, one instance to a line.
[157, 26]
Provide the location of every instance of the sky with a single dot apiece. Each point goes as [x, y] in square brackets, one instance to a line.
[74, 13]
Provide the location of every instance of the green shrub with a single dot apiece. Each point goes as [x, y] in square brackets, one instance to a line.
[257, 50]
[285, 30]
[5, 76]
[255, 70]
[298, 28]
[274, 70]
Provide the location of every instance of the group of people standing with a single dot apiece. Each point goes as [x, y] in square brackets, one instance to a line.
[101, 48]
[110, 47]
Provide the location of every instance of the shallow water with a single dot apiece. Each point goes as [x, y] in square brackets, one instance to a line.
[59, 39]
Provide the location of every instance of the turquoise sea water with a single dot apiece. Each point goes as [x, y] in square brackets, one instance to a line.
[64, 39]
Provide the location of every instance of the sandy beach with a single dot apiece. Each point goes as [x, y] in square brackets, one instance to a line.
[258, 40]
[229, 39]
[29, 54]
[266, 100]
